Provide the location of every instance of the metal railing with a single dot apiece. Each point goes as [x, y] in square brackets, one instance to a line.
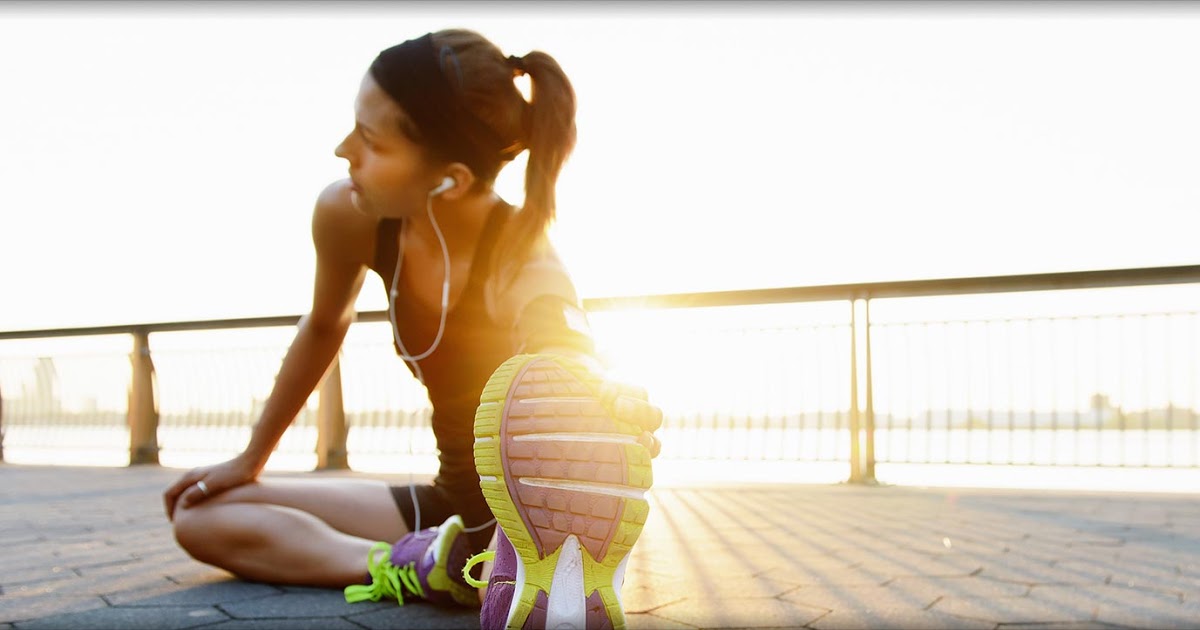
[1084, 390]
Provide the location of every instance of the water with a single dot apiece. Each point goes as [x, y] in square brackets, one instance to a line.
[1152, 460]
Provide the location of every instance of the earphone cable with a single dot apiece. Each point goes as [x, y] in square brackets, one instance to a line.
[392, 294]
[404, 354]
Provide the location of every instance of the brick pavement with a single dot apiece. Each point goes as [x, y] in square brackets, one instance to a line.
[91, 548]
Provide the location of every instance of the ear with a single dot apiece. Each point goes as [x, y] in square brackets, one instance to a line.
[464, 180]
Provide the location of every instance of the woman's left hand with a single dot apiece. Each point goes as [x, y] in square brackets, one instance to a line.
[631, 403]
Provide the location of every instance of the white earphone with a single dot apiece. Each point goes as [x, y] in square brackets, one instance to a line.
[447, 183]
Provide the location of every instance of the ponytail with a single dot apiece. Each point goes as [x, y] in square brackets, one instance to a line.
[550, 137]
[545, 125]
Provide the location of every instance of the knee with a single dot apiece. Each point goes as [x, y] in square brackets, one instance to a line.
[184, 527]
[194, 530]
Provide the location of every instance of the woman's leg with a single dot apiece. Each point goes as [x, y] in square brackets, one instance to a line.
[314, 532]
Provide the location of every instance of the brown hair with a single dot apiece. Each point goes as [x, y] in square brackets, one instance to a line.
[545, 125]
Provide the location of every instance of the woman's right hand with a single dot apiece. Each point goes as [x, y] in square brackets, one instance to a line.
[206, 482]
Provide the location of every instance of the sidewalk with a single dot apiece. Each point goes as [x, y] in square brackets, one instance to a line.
[91, 548]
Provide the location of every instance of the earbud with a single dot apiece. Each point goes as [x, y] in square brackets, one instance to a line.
[446, 184]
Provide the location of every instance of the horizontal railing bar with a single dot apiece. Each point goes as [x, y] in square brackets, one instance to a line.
[1108, 278]
[210, 324]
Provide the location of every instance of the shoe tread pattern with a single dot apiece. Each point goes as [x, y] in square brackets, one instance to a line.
[529, 395]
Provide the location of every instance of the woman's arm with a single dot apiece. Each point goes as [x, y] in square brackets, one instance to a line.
[340, 234]
[342, 237]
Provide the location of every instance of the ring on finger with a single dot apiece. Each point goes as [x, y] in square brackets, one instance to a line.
[203, 487]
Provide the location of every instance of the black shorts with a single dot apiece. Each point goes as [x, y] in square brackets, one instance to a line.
[437, 504]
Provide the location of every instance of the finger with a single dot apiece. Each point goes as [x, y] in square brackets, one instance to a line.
[202, 491]
[194, 495]
[639, 412]
[171, 496]
[190, 497]
[652, 444]
[610, 391]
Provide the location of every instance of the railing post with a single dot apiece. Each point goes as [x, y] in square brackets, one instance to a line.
[855, 456]
[868, 470]
[142, 413]
[331, 421]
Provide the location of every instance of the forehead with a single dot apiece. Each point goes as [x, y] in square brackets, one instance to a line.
[375, 109]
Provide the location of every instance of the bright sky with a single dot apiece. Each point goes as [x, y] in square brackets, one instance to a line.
[160, 162]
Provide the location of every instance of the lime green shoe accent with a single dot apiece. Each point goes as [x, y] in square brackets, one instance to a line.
[386, 579]
[439, 576]
[476, 559]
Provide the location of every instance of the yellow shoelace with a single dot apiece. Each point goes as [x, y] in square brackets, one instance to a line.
[386, 579]
[476, 559]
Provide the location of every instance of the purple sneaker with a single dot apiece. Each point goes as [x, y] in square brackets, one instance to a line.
[424, 564]
[566, 482]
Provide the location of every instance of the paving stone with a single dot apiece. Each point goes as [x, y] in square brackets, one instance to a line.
[1033, 572]
[111, 567]
[13, 609]
[1131, 599]
[860, 598]
[716, 584]
[161, 556]
[1169, 579]
[703, 551]
[1185, 614]
[21, 557]
[32, 574]
[93, 584]
[888, 565]
[1040, 552]
[78, 586]
[932, 588]
[900, 618]
[732, 564]
[1016, 609]
[648, 597]
[832, 572]
[324, 623]
[960, 545]
[419, 615]
[304, 590]
[712, 612]
[1087, 570]
[13, 536]
[1092, 540]
[171, 594]
[164, 618]
[647, 621]
[1159, 557]
[1127, 606]
[959, 564]
[1078, 625]
[300, 605]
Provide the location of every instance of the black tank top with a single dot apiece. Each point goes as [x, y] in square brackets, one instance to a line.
[472, 347]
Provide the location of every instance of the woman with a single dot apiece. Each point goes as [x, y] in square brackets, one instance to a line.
[484, 313]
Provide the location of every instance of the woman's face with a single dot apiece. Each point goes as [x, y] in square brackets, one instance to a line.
[388, 170]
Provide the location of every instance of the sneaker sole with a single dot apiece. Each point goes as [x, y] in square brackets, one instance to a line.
[566, 481]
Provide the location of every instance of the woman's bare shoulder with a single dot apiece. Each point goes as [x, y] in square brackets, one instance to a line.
[340, 229]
